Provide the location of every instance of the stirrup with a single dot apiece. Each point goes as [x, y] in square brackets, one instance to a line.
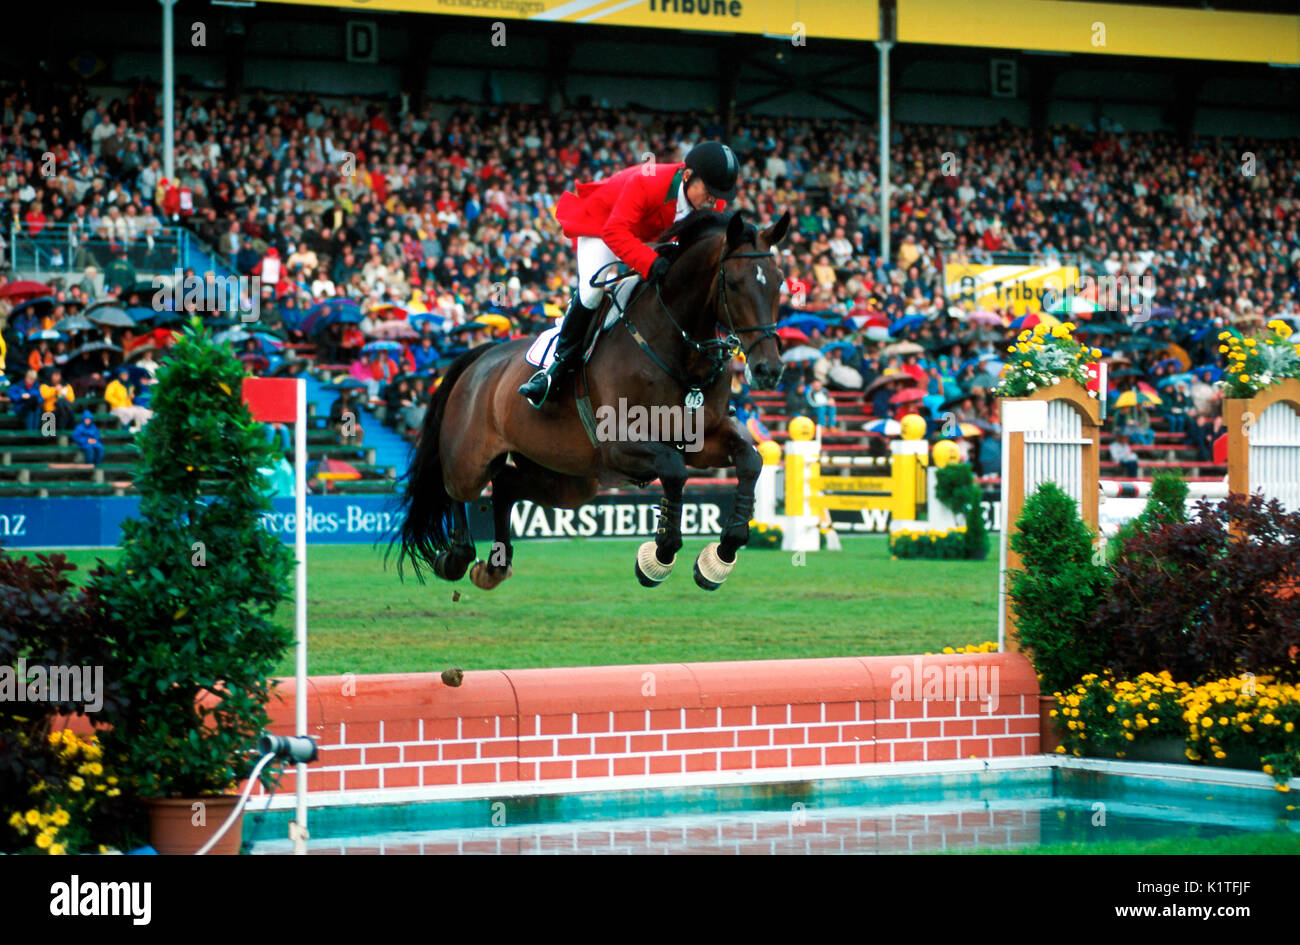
[531, 394]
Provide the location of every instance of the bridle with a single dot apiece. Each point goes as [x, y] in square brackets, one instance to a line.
[717, 351]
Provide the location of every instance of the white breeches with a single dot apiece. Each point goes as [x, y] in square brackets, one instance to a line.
[592, 255]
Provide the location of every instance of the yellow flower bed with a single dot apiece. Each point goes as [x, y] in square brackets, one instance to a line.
[1254, 364]
[58, 818]
[1042, 357]
[1245, 720]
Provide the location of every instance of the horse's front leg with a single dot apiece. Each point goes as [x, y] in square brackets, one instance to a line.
[646, 460]
[732, 446]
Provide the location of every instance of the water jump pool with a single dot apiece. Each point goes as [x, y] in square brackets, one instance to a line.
[1014, 803]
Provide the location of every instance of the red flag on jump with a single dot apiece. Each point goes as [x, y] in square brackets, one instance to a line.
[272, 399]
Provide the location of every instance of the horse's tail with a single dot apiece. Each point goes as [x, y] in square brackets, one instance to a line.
[426, 527]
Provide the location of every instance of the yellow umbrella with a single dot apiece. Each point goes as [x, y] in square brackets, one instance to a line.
[498, 323]
[1180, 354]
[1135, 398]
[552, 310]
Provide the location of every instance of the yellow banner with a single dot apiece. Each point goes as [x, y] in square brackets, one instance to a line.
[824, 19]
[1117, 29]
[1022, 287]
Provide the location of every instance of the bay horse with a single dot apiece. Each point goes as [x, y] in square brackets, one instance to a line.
[664, 352]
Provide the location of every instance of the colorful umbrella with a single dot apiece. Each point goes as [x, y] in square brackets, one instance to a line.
[1137, 398]
[803, 323]
[24, 288]
[395, 329]
[907, 395]
[884, 427]
[387, 347]
[1033, 320]
[801, 353]
[1072, 305]
[335, 469]
[906, 323]
[498, 323]
[792, 334]
[387, 311]
[74, 323]
[884, 380]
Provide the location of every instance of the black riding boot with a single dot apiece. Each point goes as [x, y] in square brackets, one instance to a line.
[568, 347]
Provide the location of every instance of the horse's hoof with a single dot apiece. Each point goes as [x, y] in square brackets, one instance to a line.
[486, 578]
[448, 568]
[648, 569]
[711, 570]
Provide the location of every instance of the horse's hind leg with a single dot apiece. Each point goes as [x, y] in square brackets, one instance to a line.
[507, 488]
[524, 480]
[451, 565]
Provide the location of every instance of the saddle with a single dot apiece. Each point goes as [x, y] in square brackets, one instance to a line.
[542, 351]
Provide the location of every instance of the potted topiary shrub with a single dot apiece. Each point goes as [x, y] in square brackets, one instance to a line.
[191, 602]
[1055, 596]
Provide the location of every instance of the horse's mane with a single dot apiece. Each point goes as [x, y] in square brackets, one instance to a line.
[700, 225]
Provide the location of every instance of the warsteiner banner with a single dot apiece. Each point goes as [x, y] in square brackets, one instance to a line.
[825, 19]
[974, 286]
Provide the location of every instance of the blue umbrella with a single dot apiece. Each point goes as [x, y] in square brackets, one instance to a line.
[328, 312]
[1185, 378]
[804, 323]
[391, 347]
[142, 314]
[47, 334]
[345, 383]
[848, 346]
[1201, 333]
[906, 323]
[416, 319]
[233, 336]
[32, 303]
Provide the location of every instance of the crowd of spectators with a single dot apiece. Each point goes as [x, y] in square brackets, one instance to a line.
[446, 209]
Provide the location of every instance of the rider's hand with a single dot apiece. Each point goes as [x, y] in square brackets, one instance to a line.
[657, 269]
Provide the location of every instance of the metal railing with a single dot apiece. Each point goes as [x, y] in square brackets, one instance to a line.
[69, 247]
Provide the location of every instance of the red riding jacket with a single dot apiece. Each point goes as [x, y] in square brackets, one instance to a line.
[625, 210]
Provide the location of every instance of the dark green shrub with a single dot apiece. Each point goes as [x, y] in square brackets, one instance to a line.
[1057, 593]
[956, 488]
[1166, 503]
[191, 599]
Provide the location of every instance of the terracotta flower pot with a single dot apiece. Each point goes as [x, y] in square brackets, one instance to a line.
[172, 828]
[1048, 737]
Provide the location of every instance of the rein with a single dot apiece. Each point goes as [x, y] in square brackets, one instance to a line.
[718, 351]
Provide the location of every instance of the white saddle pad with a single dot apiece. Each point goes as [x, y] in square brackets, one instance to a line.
[542, 351]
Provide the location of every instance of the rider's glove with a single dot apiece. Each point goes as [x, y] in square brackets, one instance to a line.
[658, 268]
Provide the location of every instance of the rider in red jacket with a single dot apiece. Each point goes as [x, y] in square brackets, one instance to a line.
[612, 220]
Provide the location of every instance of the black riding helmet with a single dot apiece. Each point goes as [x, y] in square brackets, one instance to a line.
[715, 164]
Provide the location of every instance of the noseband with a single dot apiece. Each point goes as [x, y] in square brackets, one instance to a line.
[718, 352]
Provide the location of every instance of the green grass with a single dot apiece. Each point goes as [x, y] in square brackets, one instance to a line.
[1233, 845]
[576, 603]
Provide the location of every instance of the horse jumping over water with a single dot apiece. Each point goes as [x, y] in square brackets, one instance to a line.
[666, 348]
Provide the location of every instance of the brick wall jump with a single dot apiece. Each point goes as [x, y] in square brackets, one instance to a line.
[410, 730]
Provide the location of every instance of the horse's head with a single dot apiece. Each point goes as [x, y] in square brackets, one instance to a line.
[750, 294]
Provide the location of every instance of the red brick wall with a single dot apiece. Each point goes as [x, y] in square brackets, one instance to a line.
[410, 730]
